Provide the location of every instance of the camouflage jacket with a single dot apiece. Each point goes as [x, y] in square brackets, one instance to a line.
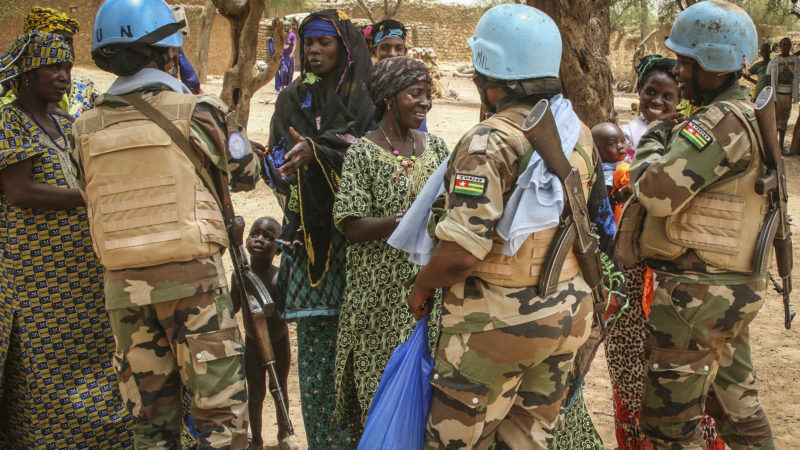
[487, 159]
[674, 162]
[171, 281]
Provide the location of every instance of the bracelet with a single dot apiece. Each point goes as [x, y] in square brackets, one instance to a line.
[399, 216]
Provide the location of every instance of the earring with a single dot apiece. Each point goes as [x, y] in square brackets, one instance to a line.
[388, 106]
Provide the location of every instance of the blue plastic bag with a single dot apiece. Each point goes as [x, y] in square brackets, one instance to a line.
[397, 415]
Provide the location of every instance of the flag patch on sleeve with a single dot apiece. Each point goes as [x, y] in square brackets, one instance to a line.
[469, 185]
[699, 137]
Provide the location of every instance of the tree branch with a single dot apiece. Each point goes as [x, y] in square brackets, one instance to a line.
[368, 10]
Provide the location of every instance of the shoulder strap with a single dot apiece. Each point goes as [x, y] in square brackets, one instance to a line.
[182, 141]
[589, 165]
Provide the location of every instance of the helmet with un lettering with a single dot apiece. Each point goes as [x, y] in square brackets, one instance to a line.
[128, 34]
[516, 42]
[719, 35]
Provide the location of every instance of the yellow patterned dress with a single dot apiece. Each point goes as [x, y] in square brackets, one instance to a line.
[57, 386]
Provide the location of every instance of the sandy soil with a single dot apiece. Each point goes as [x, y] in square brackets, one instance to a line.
[776, 351]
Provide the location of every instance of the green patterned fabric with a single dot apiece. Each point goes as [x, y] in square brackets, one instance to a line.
[374, 317]
[576, 430]
[316, 345]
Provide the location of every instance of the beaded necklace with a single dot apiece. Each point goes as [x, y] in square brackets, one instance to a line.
[405, 164]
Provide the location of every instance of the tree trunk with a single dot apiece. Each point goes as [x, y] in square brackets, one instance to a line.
[585, 73]
[243, 79]
[638, 52]
[644, 25]
[206, 22]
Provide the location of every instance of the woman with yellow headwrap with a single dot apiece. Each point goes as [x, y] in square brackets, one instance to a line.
[82, 93]
[57, 384]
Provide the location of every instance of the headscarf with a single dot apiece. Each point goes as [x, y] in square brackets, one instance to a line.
[392, 75]
[32, 51]
[49, 20]
[387, 28]
[330, 120]
[318, 27]
[653, 63]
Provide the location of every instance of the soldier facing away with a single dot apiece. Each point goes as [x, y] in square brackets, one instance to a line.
[157, 227]
[696, 178]
[505, 351]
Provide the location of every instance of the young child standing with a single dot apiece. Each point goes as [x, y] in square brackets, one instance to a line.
[784, 71]
[612, 145]
[262, 248]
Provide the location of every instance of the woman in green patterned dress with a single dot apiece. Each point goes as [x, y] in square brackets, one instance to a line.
[382, 175]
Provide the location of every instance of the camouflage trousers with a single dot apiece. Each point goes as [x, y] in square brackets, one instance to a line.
[195, 342]
[506, 384]
[698, 359]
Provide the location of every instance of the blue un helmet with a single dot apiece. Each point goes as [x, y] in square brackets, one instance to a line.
[129, 34]
[719, 35]
[516, 42]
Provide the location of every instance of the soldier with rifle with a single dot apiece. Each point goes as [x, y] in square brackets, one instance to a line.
[511, 247]
[714, 194]
[147, 154]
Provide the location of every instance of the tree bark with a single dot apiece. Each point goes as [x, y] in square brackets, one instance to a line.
[243, 79]
[585, 73]
[206, 22]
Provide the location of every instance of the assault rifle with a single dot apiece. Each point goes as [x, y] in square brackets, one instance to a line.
[575, 229]
[252, 292]
[776, 231]
[254, 296]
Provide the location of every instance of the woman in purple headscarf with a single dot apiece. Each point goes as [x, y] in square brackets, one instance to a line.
[316, 119]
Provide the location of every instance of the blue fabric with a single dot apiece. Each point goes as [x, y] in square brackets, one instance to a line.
[397, 415]
[188, 75]
[319, 27]
[146, 77]
[391, 32]
[424, 126]
[535, 205]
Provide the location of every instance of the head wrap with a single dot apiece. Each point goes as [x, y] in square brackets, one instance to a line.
[49, 20]
[331, 119]
[652, 63]
[318, 27]
[32, 51]
[388, 28]
[392, 75]
[287, 22]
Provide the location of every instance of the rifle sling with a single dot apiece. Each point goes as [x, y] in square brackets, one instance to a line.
[162, 121]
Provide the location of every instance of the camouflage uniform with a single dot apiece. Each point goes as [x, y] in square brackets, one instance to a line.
[698, 350]
[174, 324]
[504, 353]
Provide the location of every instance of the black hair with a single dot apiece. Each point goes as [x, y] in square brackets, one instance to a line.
[386, 24]
[652, 64]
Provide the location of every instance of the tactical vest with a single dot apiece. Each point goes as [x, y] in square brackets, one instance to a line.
[147, 205]
[524, 267]
[721, 223]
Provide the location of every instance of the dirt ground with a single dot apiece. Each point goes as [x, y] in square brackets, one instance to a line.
[776, 351]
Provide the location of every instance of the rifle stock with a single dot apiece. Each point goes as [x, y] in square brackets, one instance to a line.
[776, 231]
[576, 225]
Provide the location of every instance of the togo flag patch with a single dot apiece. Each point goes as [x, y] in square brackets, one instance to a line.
[469, 185]
[699, 137]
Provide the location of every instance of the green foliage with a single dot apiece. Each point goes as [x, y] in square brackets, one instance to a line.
[626, 15]
[772, 17]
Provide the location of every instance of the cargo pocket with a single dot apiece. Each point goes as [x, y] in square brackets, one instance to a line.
[216, 364]
[127, 384]
[458, 408]
[676, 385]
